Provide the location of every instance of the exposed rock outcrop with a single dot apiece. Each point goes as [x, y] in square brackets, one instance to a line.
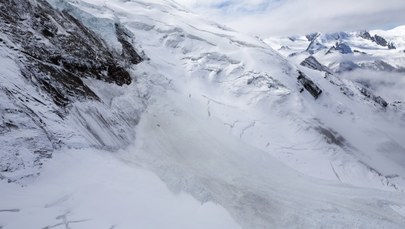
[309, 85]
[312, 63]
[62, 51]
[367, 93]
[51, 56]
[341, 47]
[377, 39]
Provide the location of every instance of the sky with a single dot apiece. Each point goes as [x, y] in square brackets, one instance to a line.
[293, 17]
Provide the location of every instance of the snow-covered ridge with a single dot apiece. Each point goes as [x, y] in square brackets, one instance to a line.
[345, 51]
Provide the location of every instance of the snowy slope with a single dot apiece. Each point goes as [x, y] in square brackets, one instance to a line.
[92, 189]
[257, 190]
[225, 120]
[254, 92]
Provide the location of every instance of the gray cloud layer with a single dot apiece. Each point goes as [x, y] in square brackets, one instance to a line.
[288, 17]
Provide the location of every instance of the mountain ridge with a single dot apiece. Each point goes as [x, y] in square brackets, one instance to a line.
[365, 49]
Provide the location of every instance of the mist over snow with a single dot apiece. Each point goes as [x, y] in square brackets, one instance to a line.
[290, 17]
[389, 85]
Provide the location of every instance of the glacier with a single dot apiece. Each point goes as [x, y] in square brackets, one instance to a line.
[213, 131]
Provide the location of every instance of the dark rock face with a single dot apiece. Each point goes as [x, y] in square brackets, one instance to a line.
[51, 53]
[357, 51]
[61, 51]
[391, 45]
[309, 85]
[315, 46]
[377, 39]
[380, 40]
[365, 35]
[311, 37]
[342, 48]
[128, 51]
[373, 97]
[312, 63]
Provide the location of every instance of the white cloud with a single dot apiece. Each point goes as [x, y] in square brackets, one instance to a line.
[390, 87]
[287, 17]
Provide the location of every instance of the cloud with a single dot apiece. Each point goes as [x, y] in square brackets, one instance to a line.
[390, 87]
[289, 17]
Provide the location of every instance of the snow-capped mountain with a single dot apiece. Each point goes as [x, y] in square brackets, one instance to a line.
[110, 107]
[347, 51]
[374, 60]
